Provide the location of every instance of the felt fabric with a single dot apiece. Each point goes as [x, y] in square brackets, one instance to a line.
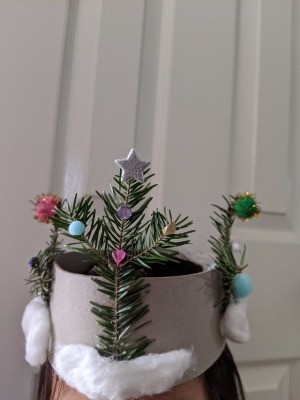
[36, 328]
[183, 312]
[234, 323]
[100, 378]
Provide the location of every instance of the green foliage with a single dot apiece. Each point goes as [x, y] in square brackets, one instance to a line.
[145, 243]
[40, 277]
[120, 316]
[223, 220]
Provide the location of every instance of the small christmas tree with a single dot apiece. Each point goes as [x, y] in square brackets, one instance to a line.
[123, 245]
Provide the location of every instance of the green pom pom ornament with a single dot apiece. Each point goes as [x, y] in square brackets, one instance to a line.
[245, 206]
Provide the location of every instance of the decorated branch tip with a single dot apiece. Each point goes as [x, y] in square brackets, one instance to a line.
[245, 206]
[45, 207]
[236, 283]
[123, 245]
[40, 277]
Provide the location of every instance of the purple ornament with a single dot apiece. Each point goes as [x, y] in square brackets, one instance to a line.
[124, 213]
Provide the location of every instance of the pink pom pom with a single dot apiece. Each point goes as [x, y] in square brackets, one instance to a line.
[45, 205]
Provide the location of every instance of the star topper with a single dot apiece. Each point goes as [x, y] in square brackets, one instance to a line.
[132, 167]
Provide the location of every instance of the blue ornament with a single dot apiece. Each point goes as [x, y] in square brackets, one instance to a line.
[76, 228]
[124, 213]
[242, 285]
[33, 262]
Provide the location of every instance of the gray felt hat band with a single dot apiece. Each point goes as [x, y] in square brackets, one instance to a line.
[183, 311]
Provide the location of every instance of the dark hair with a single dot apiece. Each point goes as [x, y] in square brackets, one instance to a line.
[45, 382]
[221, 381]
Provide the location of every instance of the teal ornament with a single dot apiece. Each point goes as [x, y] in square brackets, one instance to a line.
[76, 228]
[242, 285]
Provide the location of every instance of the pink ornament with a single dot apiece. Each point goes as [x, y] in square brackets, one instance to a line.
[45, 205]
[118, 256]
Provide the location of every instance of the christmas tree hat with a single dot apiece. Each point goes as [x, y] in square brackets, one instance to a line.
[132, 309]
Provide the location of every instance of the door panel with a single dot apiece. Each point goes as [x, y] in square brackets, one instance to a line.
[31, 47]
[213, 114]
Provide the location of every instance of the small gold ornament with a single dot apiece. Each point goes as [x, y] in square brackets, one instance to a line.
[170, 229]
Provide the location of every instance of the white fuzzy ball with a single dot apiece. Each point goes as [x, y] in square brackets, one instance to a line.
[234, 323]
[236, 247]
[36, 328]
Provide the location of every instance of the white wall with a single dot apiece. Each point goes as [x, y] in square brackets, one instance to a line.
[31, 48]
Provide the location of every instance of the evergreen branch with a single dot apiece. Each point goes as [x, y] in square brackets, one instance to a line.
[243, 206]
[81, 210]
[116, 315]
[123, 222]
[40, 277]
[125, 289]
[144, 251]
[144, 243]
[154, 246]
[93, 251]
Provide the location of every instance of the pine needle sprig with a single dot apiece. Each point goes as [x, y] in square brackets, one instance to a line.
[140, 242]
[91, 242]
[156, 245]
[40, 277]
[119, 318]
[243, 206]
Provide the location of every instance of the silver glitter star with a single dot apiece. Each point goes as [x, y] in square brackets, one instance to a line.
[132, 167]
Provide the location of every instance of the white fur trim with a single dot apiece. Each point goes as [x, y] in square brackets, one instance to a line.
[99, 378]
[234, 323]
[36, 328]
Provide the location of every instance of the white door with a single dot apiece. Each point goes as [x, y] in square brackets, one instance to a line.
[208, 91]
